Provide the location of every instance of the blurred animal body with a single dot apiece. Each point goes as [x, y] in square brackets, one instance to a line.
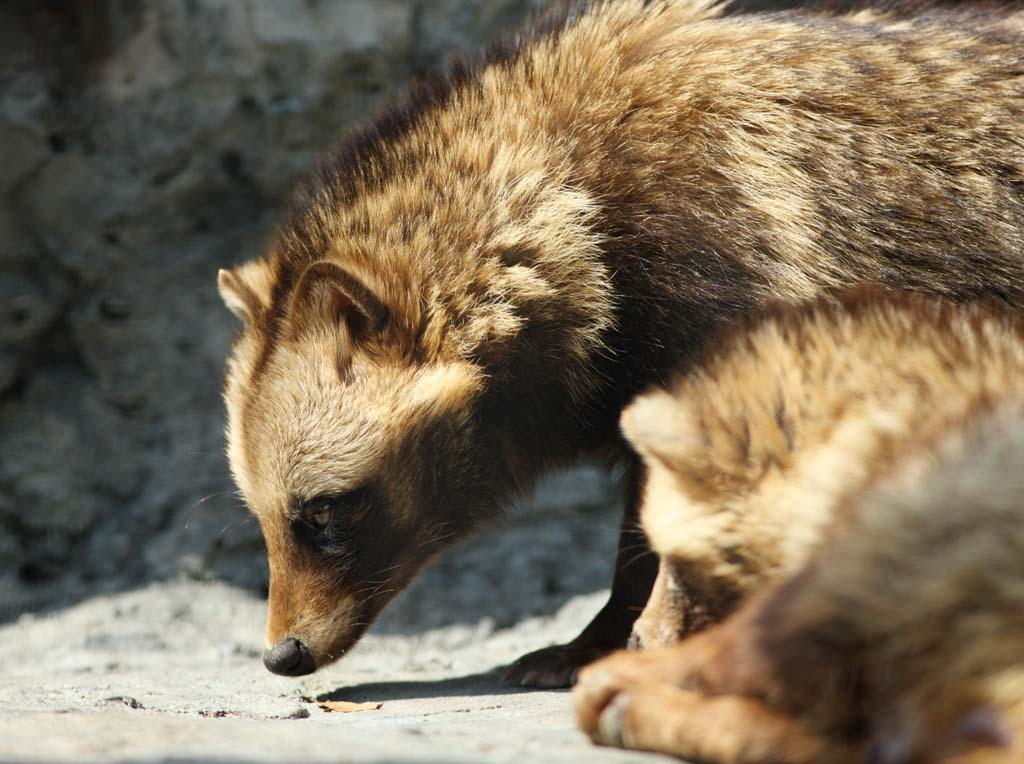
[473, 285]
[858, 469]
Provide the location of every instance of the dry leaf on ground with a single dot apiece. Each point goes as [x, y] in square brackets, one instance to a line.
[344, 707]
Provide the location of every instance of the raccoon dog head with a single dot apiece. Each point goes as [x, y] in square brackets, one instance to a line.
[336, 431]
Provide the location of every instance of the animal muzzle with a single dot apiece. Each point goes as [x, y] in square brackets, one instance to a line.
[289, 657]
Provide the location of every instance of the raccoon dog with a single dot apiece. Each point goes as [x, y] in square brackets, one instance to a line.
[473, 285]
[859, 468]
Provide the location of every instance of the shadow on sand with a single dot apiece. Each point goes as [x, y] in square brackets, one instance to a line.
[486, 683]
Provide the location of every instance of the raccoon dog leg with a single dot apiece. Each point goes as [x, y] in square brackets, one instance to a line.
[636, 567]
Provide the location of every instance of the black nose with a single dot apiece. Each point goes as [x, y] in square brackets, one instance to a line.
[289, 657]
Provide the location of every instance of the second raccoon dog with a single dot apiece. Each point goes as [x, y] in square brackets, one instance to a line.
[861, 468]
[472, 286]
[748, 454]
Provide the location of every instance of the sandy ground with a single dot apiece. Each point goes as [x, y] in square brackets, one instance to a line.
[171, 672]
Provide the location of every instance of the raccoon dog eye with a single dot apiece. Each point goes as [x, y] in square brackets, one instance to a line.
[321, 518]
[332, 515]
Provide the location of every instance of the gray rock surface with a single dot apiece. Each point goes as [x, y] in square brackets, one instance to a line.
[171, 674]
[143, 146]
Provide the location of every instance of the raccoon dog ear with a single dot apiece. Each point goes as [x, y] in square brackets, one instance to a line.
[326, 292]
[237, 295]
[658, 424]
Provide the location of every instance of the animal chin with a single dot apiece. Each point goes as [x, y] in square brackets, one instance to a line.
[339, 648]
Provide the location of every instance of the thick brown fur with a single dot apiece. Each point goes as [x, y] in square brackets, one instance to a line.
[473, 285]
[859, 467]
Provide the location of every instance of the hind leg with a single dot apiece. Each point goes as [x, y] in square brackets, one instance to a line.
[667, 701]
[699, 699]
[689, 666]
[729, 729]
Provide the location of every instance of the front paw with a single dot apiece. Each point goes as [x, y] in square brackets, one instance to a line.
[594, 700]
[615, 710]
[602, 681]
[552, 667]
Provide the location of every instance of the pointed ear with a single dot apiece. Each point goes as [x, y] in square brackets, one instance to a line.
[658, 424]
[328, 294]
[237, 295]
